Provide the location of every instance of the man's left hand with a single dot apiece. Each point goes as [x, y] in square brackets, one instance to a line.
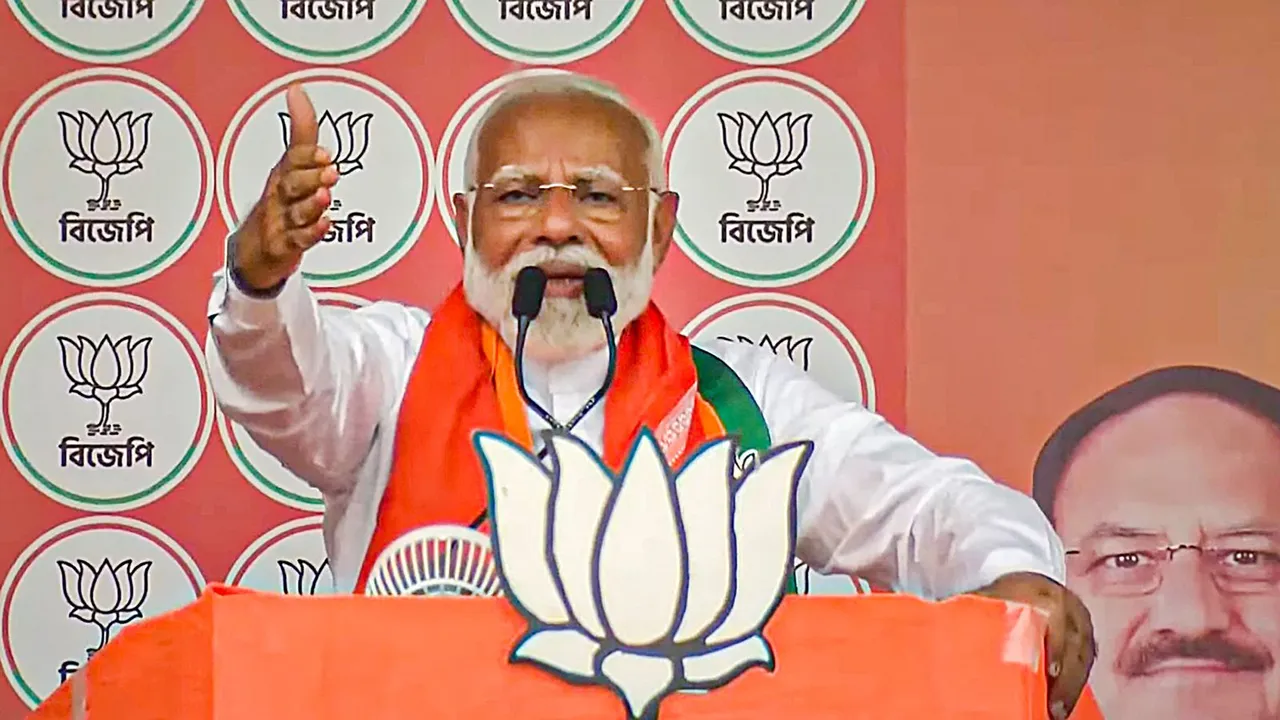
[1070, 635]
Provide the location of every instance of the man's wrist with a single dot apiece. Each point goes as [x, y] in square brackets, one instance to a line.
[241, 283]
[249, 290]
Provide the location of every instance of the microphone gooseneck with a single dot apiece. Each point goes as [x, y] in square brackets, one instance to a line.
[602, 303]
[526, 303]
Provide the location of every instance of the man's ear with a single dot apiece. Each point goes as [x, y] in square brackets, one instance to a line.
[664, 225]
[461, 218]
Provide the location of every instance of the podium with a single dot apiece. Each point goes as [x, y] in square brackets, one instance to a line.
[238, 655]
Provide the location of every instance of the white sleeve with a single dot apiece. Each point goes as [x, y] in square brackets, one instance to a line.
[876, 504]
[311, 384]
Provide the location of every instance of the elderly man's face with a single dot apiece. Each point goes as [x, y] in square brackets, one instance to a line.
[605, 220]
[1194, 634]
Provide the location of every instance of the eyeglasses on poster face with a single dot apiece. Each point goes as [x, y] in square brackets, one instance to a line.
[1132, 566]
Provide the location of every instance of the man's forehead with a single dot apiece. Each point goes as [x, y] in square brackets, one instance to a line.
[539, 171]
[547, 134]
[1161, 428]
[1181, 459]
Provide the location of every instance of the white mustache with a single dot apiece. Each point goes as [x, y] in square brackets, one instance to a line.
[568, 254]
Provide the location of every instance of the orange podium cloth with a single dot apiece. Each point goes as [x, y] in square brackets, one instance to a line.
[241, 655]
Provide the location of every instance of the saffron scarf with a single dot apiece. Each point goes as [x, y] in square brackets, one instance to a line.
[464, 381]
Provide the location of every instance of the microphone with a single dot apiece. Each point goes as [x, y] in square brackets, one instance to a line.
[597, 290]
[526, 303]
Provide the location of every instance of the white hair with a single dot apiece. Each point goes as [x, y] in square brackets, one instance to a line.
[561, 85]
[563, 330]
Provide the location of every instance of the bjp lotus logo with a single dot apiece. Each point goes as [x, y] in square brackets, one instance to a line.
[105, 371]
[765, 148]
[301, 576]
[793, 348]
[105, 596]
[648, 582]
[105, 146]
[344, 136]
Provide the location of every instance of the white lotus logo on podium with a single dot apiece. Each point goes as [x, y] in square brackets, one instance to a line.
[650, 582]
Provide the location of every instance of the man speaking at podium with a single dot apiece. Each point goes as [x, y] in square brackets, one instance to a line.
[376, 407]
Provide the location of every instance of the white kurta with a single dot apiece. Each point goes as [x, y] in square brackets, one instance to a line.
[320, 389]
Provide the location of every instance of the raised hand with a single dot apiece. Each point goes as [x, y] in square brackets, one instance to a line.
[290, 217]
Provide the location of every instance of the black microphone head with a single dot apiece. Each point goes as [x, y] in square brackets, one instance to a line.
[531, 285]
[597, 289]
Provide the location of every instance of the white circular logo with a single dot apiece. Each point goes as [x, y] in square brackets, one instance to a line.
[105, 31]
[797, 330]
[105, 177]
[289, 559]
[262, 470]
[323, 32]
[544, 32]
[106, 406]
[765, 32]
[452, 163]
[383, 156]
[75, 587]
[775, 174]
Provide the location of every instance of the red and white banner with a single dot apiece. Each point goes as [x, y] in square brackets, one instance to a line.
[139, 132]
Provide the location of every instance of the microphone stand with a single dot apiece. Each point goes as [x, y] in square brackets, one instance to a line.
[592, 401]
[597, 290]
[526, 303]
[522, 333]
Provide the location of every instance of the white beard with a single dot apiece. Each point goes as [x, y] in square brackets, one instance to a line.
[563, 330]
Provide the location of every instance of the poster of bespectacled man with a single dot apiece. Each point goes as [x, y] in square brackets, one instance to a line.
[1166, 492]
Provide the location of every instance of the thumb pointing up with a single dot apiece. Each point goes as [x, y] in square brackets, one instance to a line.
[289, 218]
[303, 126]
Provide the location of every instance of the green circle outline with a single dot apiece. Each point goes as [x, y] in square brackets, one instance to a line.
[374, 265]
[689, 246]
[168, 479]
[17, 675]
[462, 14]
[174, 475]
[241, 13]
[388, 94]
[678, 6]
[257, 474]
[47, 34]
[789, 277]
[186, 239]
[184, 243]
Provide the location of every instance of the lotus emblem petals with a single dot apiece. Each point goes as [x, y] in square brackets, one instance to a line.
[648, 581]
